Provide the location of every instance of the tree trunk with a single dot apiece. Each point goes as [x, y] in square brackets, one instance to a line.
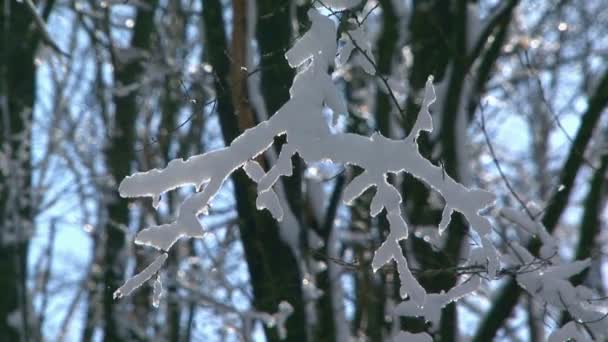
[274, 271]
[119, 155]
[18, 44]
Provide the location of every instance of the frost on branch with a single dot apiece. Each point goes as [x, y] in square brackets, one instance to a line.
[277, 320]
[359, 37]
[140, 278]
[528, 227]
[338, 4]
[435, 302]
[551, 285]
[568, 332]
[308, 135]
[285, 310]
[548, 279]
[430, 310]
[157, 292]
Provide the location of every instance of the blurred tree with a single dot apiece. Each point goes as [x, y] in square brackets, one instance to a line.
[119, 156]
[19, 41]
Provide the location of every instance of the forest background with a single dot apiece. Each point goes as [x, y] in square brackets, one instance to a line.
[94, 91]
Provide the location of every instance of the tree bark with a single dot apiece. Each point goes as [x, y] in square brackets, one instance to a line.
[273, 269]
[18, 44]
[119, 155]
[435, 31]
[439, 45]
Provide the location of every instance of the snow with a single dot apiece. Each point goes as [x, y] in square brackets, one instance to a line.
[532, 227]
[357, 37]
[338, 4]
[140, 278]
[269, 199]
[301, 120]
[550, 284]
[405, 336]
[435, 302]
[285, 310]
[568, 331]
[157, 292]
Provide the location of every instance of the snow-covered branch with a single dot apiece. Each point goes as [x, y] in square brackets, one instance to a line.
[308, 135]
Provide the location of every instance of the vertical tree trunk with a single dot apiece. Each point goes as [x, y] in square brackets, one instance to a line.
[119, 155]
[439, 45]
[94, 285]
[274, 37]
[273, 269]
[170, 111]
[431, 22]
[375, 290]
[18, 44]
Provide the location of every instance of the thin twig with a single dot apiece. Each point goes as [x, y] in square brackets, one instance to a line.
[44, 32]
[371, 61]
[482, 125]
[535, 76]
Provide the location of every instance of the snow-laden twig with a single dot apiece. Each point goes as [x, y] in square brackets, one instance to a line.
[301, 121]
[551, 285]
[568, 332]
[549, 280]
[140, 278]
